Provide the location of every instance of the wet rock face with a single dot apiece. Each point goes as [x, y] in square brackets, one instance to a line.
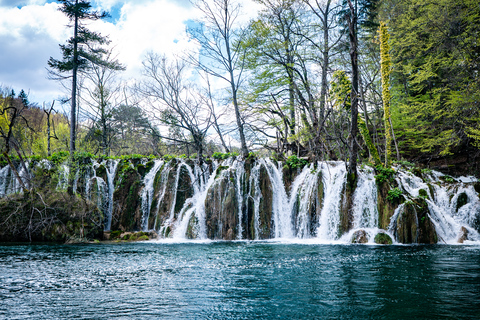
[461, 200]
[385, 207]
[463, 235]
[359, 236]
[266, 206]
[126, 215]
[414, 224]
[221, 208]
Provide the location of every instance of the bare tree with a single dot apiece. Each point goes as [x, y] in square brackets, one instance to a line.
[50, 125]
[221, 51]
[176, 102]
[103, 95]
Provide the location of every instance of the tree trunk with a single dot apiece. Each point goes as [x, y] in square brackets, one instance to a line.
[73, 117]
[352, 167]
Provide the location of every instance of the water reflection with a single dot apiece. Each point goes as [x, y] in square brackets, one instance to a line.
[239, 280]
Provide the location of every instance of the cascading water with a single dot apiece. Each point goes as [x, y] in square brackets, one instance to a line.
[281, 209]
[333, 174]
[111, 167]
[5, 177]
[442, 200]
[148, 192]
[195, 206]
[310, 208]
[63, 174]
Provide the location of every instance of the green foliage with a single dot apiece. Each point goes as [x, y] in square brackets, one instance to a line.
[426, 171]
[422, 193]
[403, 163]
[340, 88]
[436, 85]
[83, 155]
[384, 174]
[295, 162]
[59, 157]
[168, 157]
[447, 179]
[223, 156]
[394, 195]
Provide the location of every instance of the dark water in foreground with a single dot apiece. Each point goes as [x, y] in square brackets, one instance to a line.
[247, 280]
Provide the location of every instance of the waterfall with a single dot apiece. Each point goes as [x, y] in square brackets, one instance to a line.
[365, 213]
[256, 197]
[282, 215]
[333, 174]
[111, 167]
[268, 204]
[301, 196]
[63, 174]
[194, 207]
[239, 167]
[148, 192]
[4, 180]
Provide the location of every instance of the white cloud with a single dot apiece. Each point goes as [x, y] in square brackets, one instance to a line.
[30, 35]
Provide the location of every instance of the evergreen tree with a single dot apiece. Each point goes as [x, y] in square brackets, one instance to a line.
[81, 50]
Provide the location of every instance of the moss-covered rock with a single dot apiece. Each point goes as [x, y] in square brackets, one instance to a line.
[414, 224]
[221, 208]
[265, 208]
[126, 213]
[461, 200]
[383, 238]
[385, 207]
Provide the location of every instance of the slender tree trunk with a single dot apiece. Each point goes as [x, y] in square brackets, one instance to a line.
[352, 24]
[73, 116]
[326, 49]
[48, 135]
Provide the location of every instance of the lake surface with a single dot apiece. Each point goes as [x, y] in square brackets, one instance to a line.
[239, 280]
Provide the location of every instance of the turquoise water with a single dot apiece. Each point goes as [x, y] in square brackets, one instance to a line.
[239, 280]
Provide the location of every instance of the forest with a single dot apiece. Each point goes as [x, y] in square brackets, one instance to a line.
[359, 81]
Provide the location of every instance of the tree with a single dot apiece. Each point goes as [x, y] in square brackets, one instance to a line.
[80, 51]
[221, 54]
[275, 60]
[104, 93]
[353, 146]
[176, 101]
[11, 113]
[435, 79]
[385, 68]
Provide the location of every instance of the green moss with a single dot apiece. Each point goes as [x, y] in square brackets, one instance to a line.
[115, 234]
[384, 174]
[383, 238]
[462, 200]
[362, 126]
[219, 170]
[394, 195]
[422, 193]
[143, 238]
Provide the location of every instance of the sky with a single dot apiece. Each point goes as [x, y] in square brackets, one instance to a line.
[31, 31]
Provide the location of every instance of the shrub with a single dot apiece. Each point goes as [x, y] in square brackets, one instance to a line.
[384, 174]
[295, 162]
[394, 195]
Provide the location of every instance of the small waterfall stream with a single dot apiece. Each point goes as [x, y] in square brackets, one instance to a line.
[148, 192]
